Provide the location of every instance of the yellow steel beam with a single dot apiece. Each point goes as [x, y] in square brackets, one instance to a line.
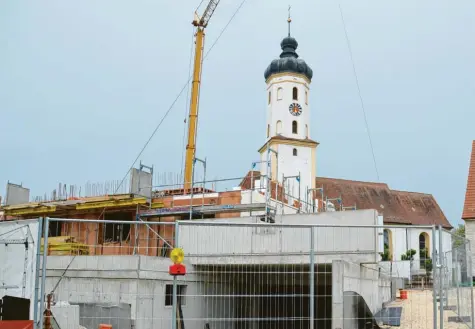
[30, 211]
[110, 203]
[193, 116]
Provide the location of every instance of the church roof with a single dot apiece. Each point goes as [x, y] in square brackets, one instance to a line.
[397, 207]
[469, 204]
[288, 61]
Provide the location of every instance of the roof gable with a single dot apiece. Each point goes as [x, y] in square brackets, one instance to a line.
[469, 204]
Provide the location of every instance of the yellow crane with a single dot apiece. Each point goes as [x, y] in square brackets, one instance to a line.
[201, 23]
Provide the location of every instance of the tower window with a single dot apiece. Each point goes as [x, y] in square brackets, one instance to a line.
[294, 152]
[295, 94]
[269, 98]
[294, 127]
[306, 97]
[268, 131]
[279, 94]
[306, 131]
[278, 127]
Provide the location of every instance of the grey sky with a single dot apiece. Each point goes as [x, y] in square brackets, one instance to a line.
[83, 84]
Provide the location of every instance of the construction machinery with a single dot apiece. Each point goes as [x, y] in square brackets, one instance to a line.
[201, 23]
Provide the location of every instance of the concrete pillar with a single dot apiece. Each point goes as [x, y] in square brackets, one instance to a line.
[337, 294]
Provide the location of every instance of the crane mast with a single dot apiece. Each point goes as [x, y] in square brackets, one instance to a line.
[201, 23]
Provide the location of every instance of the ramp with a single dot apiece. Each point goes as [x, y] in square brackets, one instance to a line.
[357, 314]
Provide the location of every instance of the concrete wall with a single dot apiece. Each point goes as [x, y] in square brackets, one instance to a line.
[470, 235]
[218, 296]
[67, 316]
[400, 269]
[139, 281]
[357, 278]
[276, 245]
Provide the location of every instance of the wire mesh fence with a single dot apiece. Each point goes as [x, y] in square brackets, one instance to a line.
[255, 275]
[456, 266]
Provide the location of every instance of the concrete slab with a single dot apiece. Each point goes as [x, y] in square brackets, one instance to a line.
[459, 319]
[390, 316]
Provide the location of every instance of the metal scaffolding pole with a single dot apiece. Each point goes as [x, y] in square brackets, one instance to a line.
[312, 277]
[43, 271]
[204, 182]
[37, 277]
[441, 283]
[434, 271]
[175, 282]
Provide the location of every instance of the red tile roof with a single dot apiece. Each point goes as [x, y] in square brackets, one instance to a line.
[397, 207]
[469, 204]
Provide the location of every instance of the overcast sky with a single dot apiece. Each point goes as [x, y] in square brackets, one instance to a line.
[84, 83]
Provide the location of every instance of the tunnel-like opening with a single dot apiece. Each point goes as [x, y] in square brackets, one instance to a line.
[266, 296]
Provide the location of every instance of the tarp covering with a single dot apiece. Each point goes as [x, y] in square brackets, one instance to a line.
[16, 324]
[18, 263]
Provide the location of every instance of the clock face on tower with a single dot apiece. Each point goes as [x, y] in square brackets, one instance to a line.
[295, 109]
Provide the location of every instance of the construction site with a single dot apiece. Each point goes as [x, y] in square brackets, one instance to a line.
[277, 246]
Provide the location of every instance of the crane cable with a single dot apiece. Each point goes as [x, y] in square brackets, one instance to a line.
[158, 126]
[359, 93]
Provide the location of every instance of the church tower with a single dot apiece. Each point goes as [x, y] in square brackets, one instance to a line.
[289, 151]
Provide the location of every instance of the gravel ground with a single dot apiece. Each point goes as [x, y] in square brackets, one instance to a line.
[417, 312]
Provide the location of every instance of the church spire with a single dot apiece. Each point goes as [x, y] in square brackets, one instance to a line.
[289, 20]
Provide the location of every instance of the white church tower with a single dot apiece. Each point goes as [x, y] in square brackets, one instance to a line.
[289, 151]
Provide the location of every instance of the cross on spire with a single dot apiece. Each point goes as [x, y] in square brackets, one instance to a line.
[289, 20]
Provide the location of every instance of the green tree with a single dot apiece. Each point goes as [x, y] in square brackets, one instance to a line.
[458, 239]
[409, 255]
[428, 268]
[385, 256]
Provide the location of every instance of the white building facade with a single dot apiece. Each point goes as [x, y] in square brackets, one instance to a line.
[400, 240]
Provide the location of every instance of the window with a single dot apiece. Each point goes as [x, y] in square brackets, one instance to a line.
[294, 152]
[294, 127]
[295, 94]
[306, 97]
[306, 131]
[164, 249]
[269, 98]
[388, 245]
[278, 127]
[423, 249]
[279, 94]
[180, 294]
[55, 228]
[117, 232]
[268, 131]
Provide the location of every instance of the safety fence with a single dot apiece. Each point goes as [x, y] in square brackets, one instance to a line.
[256, 275]
[457, 285]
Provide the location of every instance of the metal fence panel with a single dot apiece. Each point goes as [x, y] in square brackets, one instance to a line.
[457, 281]
[250, 277]
[255, 276]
